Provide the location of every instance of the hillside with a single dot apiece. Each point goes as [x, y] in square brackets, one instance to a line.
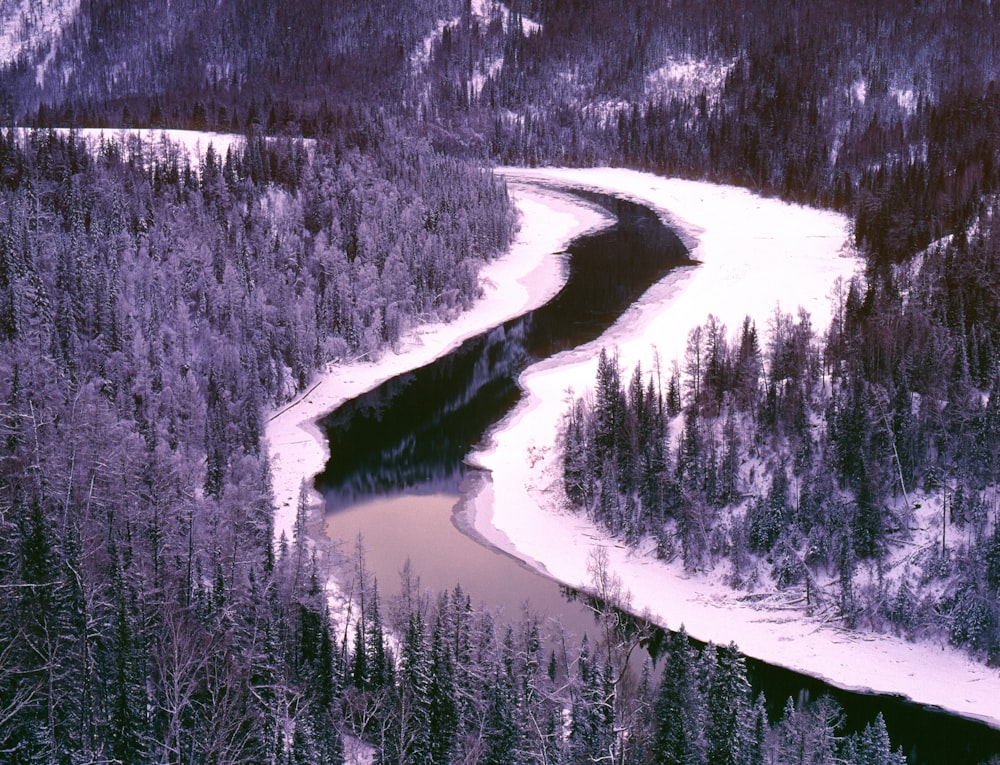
[157, 301]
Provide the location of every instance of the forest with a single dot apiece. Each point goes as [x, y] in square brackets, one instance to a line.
[794, 461]
[152, 311]
[151, 314]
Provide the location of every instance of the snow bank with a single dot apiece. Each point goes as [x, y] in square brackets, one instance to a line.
[525, 278]
[756, 254]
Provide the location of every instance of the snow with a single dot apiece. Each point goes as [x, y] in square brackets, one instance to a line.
[688, 76]
[482, 11]
[859, 89]
[190, 145]
[756, 254]
[681, 78]
[491, 68]
[526, 277]
[906, 99]
[194, 143]
[357, 752]
[27, 25]
[604, 109]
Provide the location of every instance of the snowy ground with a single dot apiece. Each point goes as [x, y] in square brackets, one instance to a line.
[526, 277]
[26, 25]
[688, 77]
[187, 145]
[756, 253]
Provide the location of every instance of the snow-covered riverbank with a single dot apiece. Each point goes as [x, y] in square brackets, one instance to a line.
[525, 278]
[756, 254]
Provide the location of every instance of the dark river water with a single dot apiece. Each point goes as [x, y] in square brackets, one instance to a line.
[397, 471]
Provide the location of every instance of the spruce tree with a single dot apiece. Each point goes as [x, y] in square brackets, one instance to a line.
[592, 728]
[872, 746]
[442, 712]
[501, 735]
[729, 710]
[680, 708]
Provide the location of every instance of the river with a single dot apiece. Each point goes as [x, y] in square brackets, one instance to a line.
[397, 469]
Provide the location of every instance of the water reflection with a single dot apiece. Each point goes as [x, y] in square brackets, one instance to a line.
[417, 527]
[397, 462]
[416, 429]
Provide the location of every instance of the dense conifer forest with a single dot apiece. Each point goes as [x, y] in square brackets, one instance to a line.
[151, 314]
[153, 311]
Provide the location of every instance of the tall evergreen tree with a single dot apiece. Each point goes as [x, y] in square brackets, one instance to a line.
[591, 737]
[442, 713]
[872, 746]
[728, 702]
[680, 708]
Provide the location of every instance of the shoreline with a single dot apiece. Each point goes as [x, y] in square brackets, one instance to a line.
[524, 521]
[527, 276]
[755, 253]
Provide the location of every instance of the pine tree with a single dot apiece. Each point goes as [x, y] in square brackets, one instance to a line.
[126, 724]
[501, 735]
[442, 712]
[872, 746]
[809, 733]
[680, 708]
[694, 366]
[577, 477]
[412, 724]
[846, 564]
[43, 639]
[729, 468]
[689, 452]
[746, 372]
[360, 677]
[729, 711]
[380, 672]
[759, 729]
[608, 405]
[591, 735]
[673, 401]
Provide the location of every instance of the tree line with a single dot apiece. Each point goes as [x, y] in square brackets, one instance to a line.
[460, 684]
[832, 105]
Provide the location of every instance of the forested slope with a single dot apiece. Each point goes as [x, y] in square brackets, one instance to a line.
[888, 113]
[855, 470]
[150, 313]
